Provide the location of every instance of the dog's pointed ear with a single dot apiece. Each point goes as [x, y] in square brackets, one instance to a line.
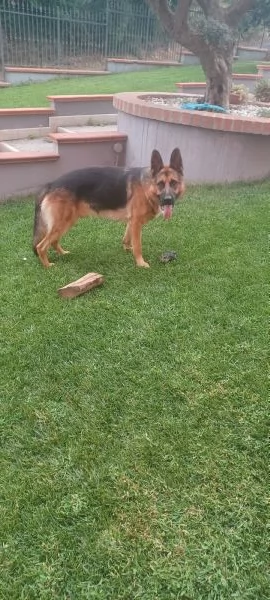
[176, 162]
[156, 162]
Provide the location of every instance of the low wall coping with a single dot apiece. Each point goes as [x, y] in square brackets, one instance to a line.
[77, 138]
[246, 76]
[51, 70]
[131, 61]
[81, 98]
[252, 48]
[134, 104]
[8, 112]
[185, 84]
[27, 157]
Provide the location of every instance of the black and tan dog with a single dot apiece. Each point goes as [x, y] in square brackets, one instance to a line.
[134, 196]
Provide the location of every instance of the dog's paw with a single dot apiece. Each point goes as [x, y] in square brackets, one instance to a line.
[143, 263]
[127, 247]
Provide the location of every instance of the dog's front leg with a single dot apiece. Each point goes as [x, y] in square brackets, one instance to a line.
[127, 238]
[136, 239]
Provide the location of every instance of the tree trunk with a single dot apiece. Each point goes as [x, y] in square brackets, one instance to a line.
[218, 72]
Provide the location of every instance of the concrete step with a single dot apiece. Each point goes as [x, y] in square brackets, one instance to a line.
[28, 164]
[17, 123]
[81, 120]
[27, 133]
[37, 139]
[71, 122]
[87, 129]
[83, 104]
[36, 145]
[24, 118]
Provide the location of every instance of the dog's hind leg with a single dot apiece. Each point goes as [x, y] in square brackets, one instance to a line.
[59, 214]
[42, 249]
[59, 248]
[50, 239]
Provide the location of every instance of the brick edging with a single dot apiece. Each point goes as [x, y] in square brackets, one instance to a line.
[236, 76]
[246, 76]
[8, 112]
[80, 97]
[134, 104]
[50, 70]
[77, 138]
[252, 48]
[131, 61]
[27, 157]
[192, 84]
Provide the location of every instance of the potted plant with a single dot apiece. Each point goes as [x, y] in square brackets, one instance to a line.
[239, 94]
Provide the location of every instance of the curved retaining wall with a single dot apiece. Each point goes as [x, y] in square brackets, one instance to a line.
[215, 148]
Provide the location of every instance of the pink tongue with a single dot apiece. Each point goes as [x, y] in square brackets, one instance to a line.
[167, 212]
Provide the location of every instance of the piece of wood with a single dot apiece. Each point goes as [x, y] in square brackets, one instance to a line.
[82, 285]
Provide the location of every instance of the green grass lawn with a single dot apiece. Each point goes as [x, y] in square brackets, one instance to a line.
[133, 419]
[156, 80]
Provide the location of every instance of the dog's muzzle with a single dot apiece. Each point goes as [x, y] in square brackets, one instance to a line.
[166, 204]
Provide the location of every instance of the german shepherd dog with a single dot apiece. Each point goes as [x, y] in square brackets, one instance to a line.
[134, 196]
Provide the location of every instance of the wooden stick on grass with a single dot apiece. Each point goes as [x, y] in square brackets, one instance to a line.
[82, 285]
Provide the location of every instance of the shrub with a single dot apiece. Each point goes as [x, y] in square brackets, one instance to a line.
[262, 91]
[264, 112]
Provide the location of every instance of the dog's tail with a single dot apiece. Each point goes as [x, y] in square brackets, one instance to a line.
[39, 225]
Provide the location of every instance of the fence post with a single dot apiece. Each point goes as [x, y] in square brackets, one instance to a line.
[262, 40]
[147, 33]
[58, 37]
[2, 64]
[181, 54]
[107, 29]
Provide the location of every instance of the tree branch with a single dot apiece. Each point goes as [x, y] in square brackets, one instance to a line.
[205, 5]
[166, 16]
[181, 11]
[211, 8]
[181, 17]
[181, 32]
[233, 15]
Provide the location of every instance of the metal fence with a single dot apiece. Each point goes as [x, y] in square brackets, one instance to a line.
[36, 35]
[44, 36]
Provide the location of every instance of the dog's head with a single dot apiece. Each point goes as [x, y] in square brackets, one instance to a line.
[168, 181]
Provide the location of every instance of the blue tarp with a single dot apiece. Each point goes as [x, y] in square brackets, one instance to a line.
[202, 106]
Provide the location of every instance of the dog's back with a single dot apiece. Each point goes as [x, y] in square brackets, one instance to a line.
[103, 188]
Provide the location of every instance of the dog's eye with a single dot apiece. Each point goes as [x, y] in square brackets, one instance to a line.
[161, 185]
[173, 183]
